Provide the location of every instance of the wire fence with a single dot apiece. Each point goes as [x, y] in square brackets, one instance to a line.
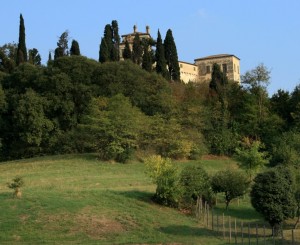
[236, 231]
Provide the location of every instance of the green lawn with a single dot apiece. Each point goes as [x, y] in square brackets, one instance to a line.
[77, 199]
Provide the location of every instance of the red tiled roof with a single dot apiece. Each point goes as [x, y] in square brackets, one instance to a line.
[217, 56]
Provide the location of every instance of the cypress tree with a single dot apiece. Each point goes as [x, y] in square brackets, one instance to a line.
[21, 51]
[75, 48]
[108, 36]
[127, 52]
[104, 52]
[218, 79]
[137, 50]
[171, 56]
[147, 60]
[115, 55]
[161, 65]
[49, 57]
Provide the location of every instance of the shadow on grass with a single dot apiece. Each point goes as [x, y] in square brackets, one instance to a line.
[244, 213]
[185, 230]
[228, 238]
[137, 195]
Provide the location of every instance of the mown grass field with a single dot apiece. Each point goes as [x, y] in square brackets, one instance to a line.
[77, 199]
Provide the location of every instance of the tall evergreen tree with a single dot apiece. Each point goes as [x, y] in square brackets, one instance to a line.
[62, 45]
[171, 56]
[161, 65]
[127, 54]
[75, 50]
[115, 53]
[147, 59]
[104, 52]
[34, 56]
[218, 80]
[49, 58]
[22, 51]
[137, 50]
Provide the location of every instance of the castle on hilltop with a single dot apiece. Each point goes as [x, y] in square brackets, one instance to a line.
[201, 69]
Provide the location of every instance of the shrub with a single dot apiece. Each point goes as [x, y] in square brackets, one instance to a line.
[16, 184]
[195, 184]
[165, 175]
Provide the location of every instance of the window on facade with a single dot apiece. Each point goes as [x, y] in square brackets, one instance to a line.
[238, 68]
[194, 68]
[234, 68]
[180, 65]
[224, 66]
[207, 69]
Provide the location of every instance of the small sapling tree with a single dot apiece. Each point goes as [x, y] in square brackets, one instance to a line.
[165, 175]
[232, 183]
[16, 185]
[251, 157]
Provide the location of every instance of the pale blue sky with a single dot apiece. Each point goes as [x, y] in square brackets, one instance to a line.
[257, 31]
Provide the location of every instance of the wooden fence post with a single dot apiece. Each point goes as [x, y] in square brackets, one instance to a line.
[212, 218]
[256, 230]
[229, 221]
[200, 207]
[249, 238]
[242, 232]
[204, 213]
[264, 234]
[235, 233]
[207, 215]
[218, 223]
[223, 225]
[293, 237]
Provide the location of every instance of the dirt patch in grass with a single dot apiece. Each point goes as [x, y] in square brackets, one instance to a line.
[24, 218]
[96, 227]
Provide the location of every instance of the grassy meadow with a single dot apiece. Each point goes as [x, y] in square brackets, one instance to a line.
[77, 199]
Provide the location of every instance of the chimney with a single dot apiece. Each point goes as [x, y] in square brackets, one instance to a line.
[148, 29]
[134, 29]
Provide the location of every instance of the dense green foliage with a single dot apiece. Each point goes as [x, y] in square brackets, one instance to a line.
[72, 105]
[230, 182]
[251, 157]
[179, 121]
[195, 184]
[272, 195]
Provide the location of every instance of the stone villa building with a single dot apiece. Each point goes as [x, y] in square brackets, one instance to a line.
[201, 69]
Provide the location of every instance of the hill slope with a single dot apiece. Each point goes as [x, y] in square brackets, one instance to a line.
[78, 199]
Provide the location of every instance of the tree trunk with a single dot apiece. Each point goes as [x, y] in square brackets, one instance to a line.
[18, 193]
[298, 220]
[276, 230]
